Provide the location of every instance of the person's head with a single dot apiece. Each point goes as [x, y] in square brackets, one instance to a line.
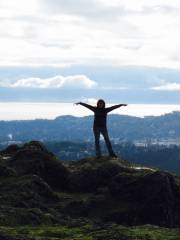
[101, 103]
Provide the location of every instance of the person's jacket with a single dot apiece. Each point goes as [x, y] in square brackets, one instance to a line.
[100, 114]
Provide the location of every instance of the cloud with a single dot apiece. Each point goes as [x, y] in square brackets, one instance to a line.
[168, 87]
[116, 32]
[103, 9]
[92, 101]
[76, 81]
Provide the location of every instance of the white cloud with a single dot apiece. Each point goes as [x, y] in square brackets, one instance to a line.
[116, 32]
[168, 87]
[92, 101]
[9, 8]
[76, 81]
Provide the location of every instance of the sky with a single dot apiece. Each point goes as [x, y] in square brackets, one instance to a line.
[66, 50]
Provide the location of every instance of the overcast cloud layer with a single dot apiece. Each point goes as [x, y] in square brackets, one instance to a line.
[65, 32]
[66, 50]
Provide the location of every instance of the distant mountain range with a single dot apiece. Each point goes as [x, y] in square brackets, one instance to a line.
[79, 129]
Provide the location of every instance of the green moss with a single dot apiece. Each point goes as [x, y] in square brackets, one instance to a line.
[93, 232]
[93, 162]
[177, 178]
[46, 232]
[154, 233]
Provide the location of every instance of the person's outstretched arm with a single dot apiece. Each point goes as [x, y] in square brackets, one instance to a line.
[86, 105]
[109, 109]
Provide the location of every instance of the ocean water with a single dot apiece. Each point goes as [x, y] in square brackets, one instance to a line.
[27, 111]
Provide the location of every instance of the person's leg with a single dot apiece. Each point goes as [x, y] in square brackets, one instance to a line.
[108, 143]
[97, 145]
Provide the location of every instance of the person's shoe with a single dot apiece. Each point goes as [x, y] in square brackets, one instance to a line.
[113, 155]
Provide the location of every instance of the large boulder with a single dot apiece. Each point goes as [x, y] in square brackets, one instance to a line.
[89, 175]
[125, 195]
[11, 149]
[29, 191]
[151, 199]
[35, 159]
[6, 171]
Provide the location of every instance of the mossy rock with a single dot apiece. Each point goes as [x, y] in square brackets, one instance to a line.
[42, 164]
[11, 216]
[6, 171]
[10, 150]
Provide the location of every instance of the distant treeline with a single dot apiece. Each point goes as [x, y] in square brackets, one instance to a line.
[162, 157]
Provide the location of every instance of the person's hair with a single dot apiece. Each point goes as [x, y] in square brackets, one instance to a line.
[101, 101]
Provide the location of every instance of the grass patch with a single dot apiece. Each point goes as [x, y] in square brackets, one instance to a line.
[92, 232]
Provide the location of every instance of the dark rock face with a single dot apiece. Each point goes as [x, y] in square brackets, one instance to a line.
[92, 176]
[89, 177]
[6, 237]
[154, 197]
[11, 149]
[28, 191]
[6, 171]
[126, 195]
[37, 188]
[35, 159]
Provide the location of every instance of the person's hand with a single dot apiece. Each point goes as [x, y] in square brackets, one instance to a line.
[77, 103]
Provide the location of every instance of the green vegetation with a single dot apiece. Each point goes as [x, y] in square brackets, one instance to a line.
[92, 232]
[42, 198]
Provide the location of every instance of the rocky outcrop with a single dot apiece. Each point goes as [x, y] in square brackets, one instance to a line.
[33, 158]
[152, 198]
[126, 195]
[37, 188]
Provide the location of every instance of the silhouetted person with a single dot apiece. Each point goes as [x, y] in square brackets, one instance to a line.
[100, 127]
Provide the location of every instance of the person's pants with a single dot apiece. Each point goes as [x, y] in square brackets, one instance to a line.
[104, 132]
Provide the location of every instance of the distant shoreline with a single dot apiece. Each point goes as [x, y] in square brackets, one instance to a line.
[32, 110]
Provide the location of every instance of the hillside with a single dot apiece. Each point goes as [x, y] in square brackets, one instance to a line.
[69, 128]
[41, 198]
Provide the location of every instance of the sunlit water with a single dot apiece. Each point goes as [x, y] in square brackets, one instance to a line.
[26, 111]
